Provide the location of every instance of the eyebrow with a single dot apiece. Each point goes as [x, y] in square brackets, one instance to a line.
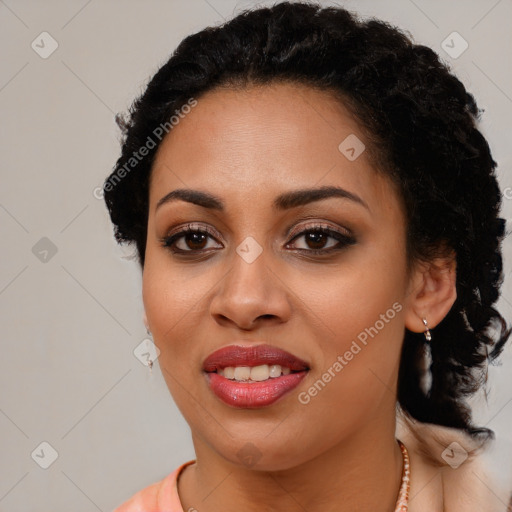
[284, 201]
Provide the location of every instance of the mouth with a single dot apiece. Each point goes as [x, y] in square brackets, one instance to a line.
[253, 376]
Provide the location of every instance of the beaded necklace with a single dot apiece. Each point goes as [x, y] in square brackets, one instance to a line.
[403, 494]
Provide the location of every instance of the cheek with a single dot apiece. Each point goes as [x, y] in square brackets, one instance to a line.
[171, 301]
[353, 298]
[359, 345]
[358, 314]
[172, 305]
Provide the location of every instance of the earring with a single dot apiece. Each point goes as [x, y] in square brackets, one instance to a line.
[150, 362]
[426, 363]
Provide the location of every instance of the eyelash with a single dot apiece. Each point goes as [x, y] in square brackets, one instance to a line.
[343, 239]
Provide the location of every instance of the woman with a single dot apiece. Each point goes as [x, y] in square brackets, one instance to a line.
[316, 217]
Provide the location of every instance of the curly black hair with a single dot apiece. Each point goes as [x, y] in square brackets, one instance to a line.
[421, 125]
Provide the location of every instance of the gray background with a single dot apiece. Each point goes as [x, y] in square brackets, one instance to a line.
[69, 325]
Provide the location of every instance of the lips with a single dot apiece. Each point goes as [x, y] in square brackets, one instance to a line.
[253, 355]
[250, 394]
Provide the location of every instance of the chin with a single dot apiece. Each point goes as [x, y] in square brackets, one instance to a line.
[261, 456]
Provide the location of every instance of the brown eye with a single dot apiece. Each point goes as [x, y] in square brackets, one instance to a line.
[195, 241]
[190, 239]
[316, 240]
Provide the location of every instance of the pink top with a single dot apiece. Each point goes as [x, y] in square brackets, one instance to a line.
[161, 496]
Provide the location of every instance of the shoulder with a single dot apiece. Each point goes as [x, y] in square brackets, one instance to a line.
[142, 501]
[161, 496]
[449, 470]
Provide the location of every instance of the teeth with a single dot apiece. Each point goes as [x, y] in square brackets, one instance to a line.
[242, 373]
[258, 373]
[275, 370]
[254, 373]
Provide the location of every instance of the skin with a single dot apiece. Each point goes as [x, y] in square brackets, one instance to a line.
[246, 147]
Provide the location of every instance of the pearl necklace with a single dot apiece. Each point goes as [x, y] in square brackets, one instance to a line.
[403, 493]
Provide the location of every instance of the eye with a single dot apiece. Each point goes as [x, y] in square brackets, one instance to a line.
[194, 239]
[316, 239]
[191, 239]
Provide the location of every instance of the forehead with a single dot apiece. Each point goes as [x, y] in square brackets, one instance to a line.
[259, 141]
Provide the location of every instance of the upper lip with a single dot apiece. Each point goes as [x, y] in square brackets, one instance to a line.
[253, 355]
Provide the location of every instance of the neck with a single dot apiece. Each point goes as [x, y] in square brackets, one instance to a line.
[362, 472]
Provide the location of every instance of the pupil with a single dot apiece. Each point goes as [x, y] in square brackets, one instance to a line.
[194, 238]
[316, 238]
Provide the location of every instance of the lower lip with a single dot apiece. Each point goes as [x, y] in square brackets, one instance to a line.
[253, 395]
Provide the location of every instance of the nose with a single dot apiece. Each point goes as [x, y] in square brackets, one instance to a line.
[250, 295]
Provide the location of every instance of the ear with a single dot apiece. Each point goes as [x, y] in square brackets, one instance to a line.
[431, 293]
[145, 320]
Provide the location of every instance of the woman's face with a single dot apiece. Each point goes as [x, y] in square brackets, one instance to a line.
[254, 277]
